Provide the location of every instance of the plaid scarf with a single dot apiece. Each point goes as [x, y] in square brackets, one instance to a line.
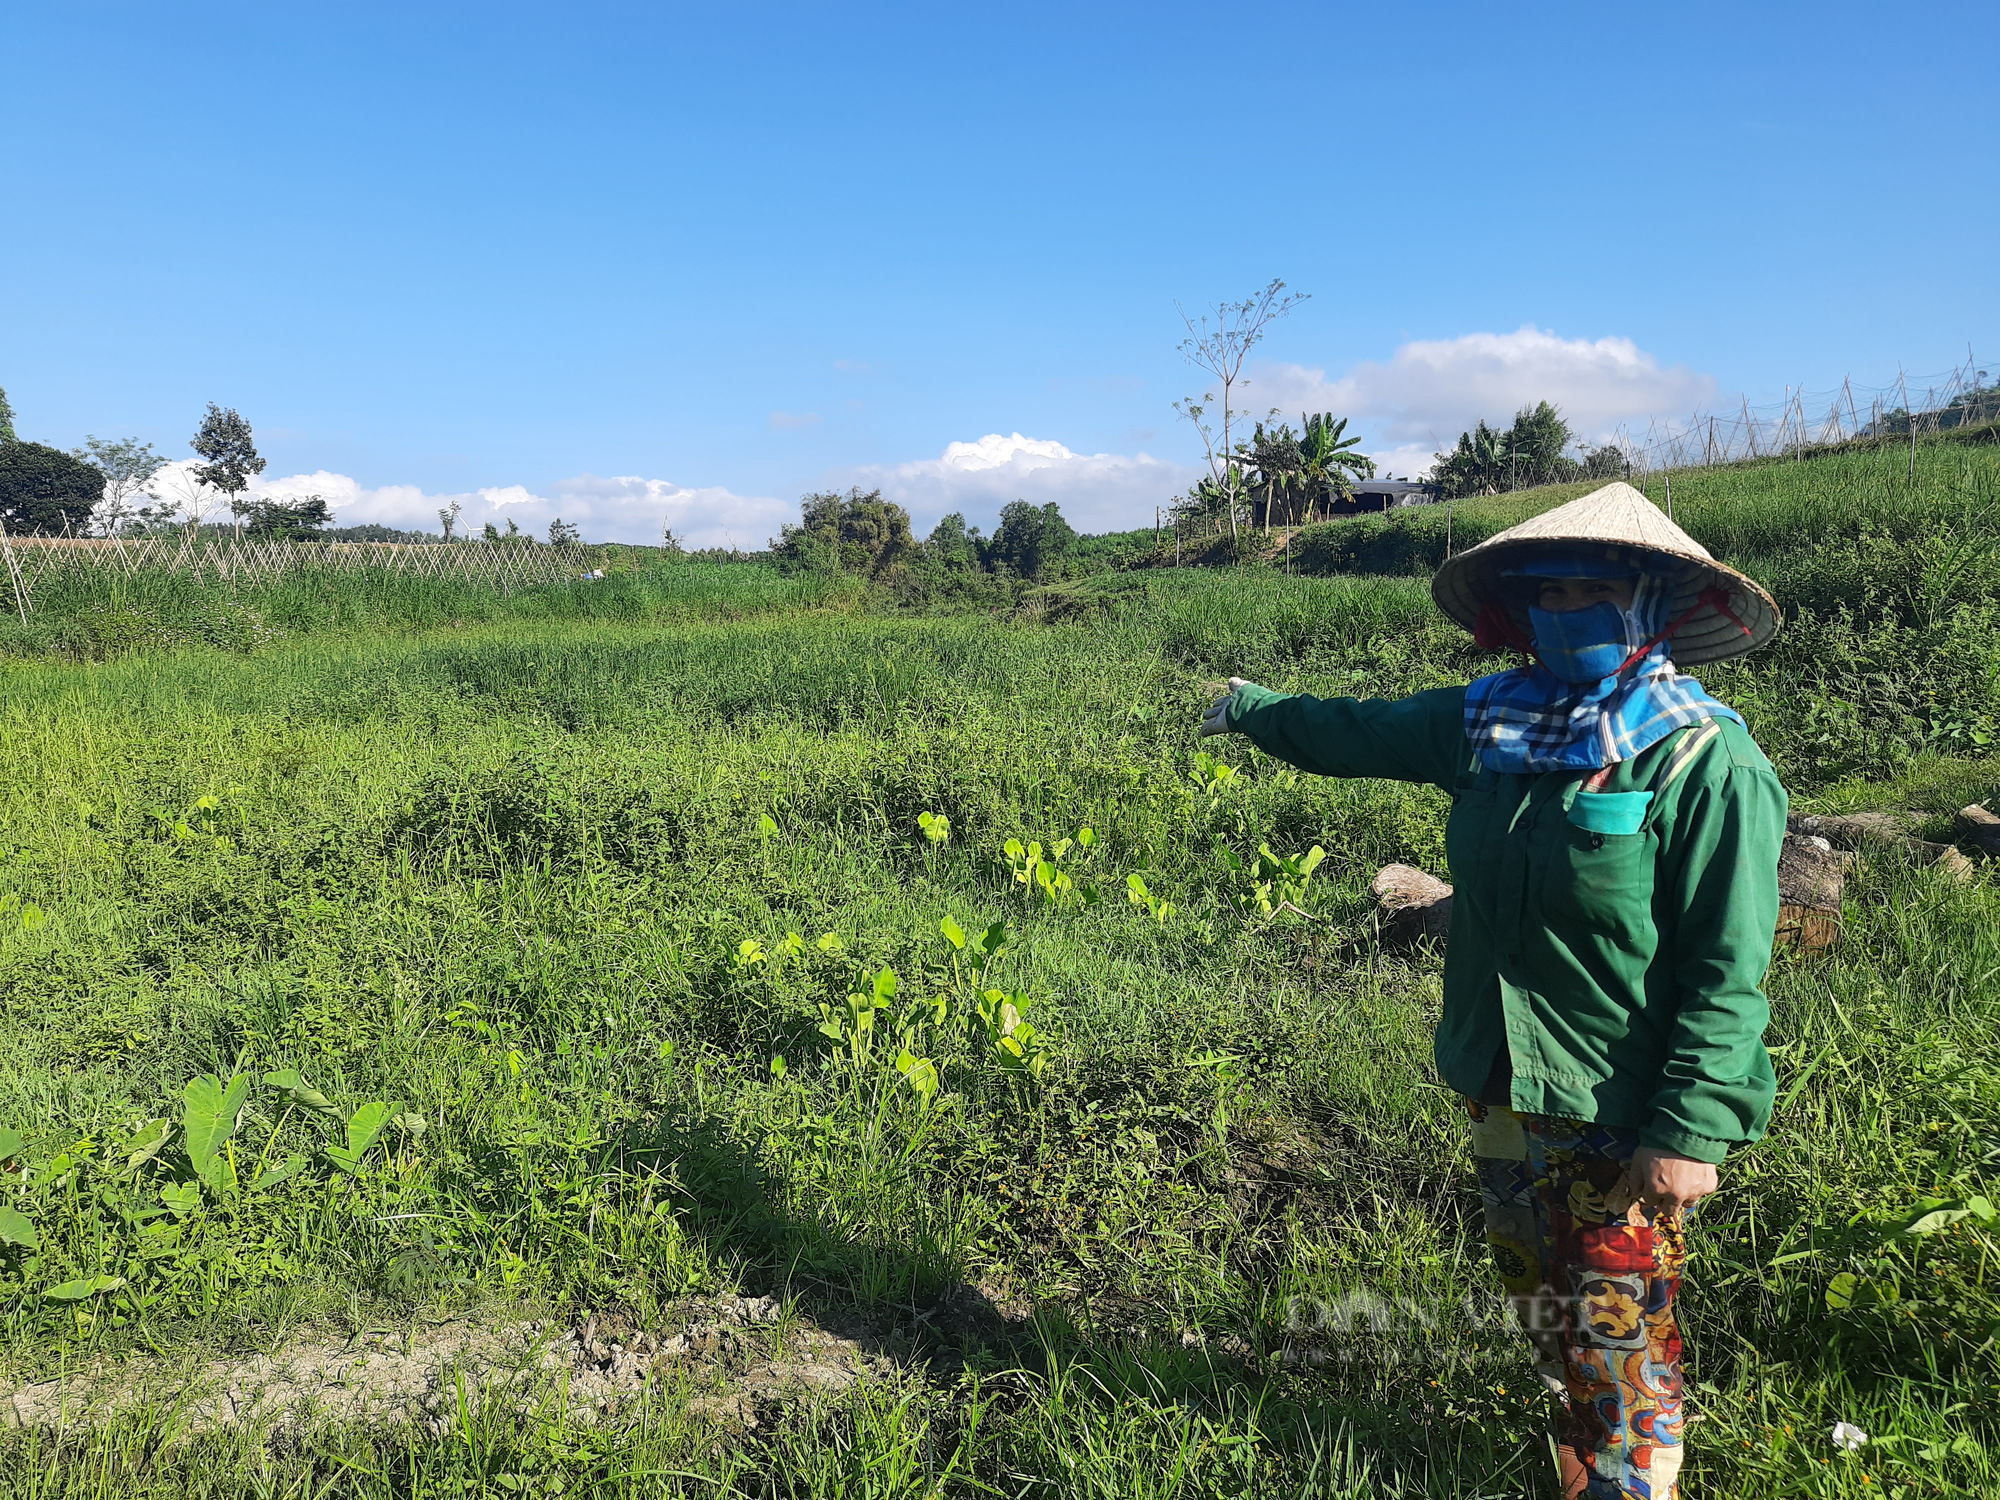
[1530, 720]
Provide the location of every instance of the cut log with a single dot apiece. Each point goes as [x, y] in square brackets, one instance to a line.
[1811, 874]
[1879, 831]
[1412, 907]
[1979, 828]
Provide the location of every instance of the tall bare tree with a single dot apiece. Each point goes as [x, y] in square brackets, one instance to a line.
[1217, 342]
[128, 467]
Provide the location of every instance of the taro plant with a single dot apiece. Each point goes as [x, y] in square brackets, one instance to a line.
[855, 1029]
[1045, 873]
[1137, 893]
[1273, 886]
[995, 1024]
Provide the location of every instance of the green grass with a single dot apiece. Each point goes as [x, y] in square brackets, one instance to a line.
[495, 865]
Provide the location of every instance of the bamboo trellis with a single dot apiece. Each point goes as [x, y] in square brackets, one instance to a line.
[1914, 406]
[35, 560]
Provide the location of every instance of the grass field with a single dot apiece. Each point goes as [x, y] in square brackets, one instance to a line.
[608, 953]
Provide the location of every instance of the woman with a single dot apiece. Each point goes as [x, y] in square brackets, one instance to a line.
[1614, 841]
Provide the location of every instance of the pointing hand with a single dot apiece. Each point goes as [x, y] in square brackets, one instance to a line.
[1216, 719]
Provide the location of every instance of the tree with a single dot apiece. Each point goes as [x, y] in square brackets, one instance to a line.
[46, 492]
[1029, 539]
[449, 516]
[1201, 508]
[1607, 461]
[1217, 344]
[1535, 446]
[1476, 466]
[224, 440]
[952, 541]
[1300, 473]
[858, 532]
[6, 419]
[489, 533]
[562, 534]
[1487, 461]
[304, 519]
[128, 466]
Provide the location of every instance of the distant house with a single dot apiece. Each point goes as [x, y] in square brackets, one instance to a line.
[1385, 494]
[1363, 496]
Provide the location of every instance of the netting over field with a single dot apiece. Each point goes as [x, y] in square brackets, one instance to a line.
[38, 560]
[1911, 406]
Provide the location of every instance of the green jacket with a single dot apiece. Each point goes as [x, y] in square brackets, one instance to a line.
[1621, 971]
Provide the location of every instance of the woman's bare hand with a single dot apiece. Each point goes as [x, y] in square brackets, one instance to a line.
[1663, 1181]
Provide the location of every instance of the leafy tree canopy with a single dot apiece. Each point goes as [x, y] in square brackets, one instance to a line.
[289, 520]
[1030, 539]
[6, 419]
[45, 491]
[224, 440]
[858, 532]
[1486, 461]
[952, 541]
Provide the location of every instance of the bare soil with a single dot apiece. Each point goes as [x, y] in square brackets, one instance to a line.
[725, 1357]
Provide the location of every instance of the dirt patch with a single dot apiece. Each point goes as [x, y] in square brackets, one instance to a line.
[727, 1356]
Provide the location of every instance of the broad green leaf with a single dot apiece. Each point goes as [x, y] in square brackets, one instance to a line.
[148, 1143]
[33, 917]
[993, 939]
[291, 1166]
[183, 1199]
[16, 1230]
[11, 1144]
[411, 1124]
[301, 1093]
[76, 1291]
[211, 1118]
[1936, 1219]
[766, 824]
[919, 1072]
[953, 933]
[1086, 838]
[885, 986]
[364, 1128]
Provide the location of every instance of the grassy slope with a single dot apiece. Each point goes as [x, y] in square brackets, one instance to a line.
[492, 873]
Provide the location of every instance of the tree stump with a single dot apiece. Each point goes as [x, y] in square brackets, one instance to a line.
[1811, 874]
[1979, 828]
[1411, 907]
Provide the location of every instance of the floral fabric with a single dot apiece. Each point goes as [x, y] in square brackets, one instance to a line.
[1592, 1277]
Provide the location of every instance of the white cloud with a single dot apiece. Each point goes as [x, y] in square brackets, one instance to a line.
[794, 419]
[623, 508]
[1097, 491]
[1431, 390]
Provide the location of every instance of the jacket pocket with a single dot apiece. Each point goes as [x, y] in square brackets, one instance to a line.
[1609, 812]
[1599, 883]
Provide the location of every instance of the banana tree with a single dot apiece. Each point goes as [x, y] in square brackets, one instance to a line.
[1328, 466]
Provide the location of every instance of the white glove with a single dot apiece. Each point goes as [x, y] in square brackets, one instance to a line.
[1215, 720]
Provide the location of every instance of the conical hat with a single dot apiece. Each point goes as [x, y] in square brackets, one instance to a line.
[1621, 524]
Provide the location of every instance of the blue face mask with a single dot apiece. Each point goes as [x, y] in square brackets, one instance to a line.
[1581, 645]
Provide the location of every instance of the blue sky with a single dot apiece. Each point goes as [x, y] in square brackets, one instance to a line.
[635, 263]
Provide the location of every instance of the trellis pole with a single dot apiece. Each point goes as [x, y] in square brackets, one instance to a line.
[14, 573]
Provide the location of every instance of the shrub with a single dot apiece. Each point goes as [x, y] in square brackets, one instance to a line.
[44, 491]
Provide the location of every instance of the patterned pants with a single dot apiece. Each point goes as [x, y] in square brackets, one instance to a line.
[1594, 1286]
